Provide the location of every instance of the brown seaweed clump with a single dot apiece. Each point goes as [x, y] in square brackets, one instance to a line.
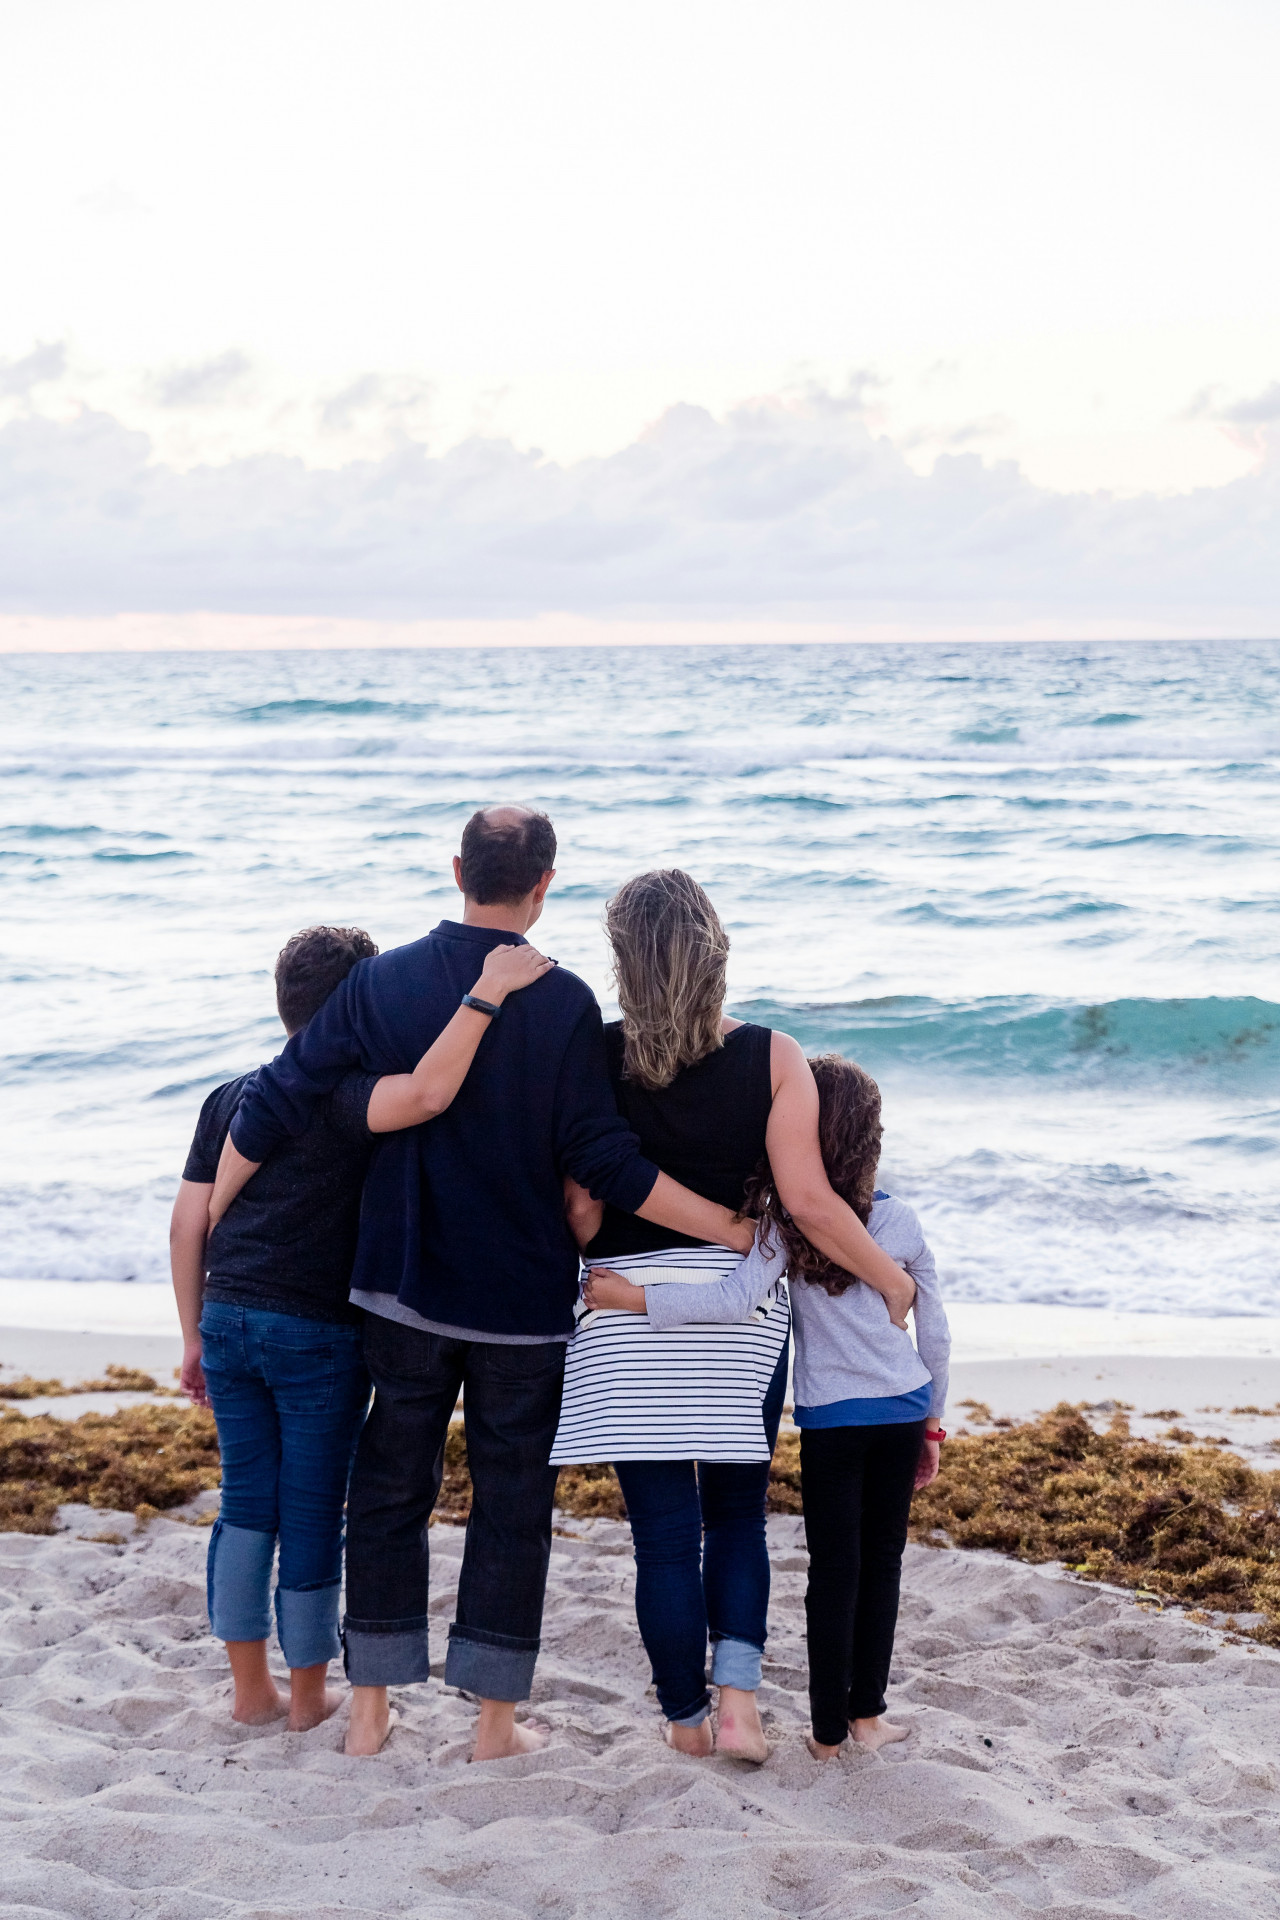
[115, 1380]
[148, 1456]
[1192, 1525]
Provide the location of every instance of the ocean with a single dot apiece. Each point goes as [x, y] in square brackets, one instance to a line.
[1033, 889]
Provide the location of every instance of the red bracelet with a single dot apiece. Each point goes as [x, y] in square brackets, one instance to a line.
[939, 1433]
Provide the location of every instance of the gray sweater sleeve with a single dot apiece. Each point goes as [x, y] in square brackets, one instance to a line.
[933, 1335]
[736, 1297]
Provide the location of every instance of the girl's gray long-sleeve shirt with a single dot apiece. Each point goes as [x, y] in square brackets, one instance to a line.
[847, 1347]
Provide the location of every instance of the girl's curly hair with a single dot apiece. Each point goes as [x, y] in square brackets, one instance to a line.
[849, 1135]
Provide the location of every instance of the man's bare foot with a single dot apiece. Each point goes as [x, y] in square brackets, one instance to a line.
[258, 1708]
[877, 1733]
[738, 1729]
[371, 1722]
[817, 1749]
[305, 1714]
[698, 1742]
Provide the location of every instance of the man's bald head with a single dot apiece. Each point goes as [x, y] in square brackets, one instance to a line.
[505, 852]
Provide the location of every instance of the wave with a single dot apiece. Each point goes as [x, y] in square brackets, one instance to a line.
[236, 747]
[1209, 1040]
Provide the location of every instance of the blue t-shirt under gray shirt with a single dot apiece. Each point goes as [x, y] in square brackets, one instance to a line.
[853, 1367]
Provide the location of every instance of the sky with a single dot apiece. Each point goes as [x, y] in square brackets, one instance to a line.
[954, 315]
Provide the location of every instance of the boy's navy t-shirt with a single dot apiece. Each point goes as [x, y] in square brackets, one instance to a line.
[287, 1242]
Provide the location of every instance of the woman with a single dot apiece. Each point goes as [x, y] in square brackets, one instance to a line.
[689, 1416]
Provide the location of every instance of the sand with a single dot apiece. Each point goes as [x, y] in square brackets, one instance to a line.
[1071, 1756]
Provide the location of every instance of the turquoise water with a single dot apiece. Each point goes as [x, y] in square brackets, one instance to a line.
[1033, 889]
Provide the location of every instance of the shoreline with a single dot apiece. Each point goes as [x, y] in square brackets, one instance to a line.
[1015, 1360]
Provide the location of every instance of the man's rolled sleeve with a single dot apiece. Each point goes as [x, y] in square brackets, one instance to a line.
[593, 1143]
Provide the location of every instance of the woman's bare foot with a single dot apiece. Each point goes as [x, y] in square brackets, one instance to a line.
[738, 1729]
[500, 1737]
[817, 1749]
[877, 1733]
[371, 1722]
[257, 1699]
[698, 1742]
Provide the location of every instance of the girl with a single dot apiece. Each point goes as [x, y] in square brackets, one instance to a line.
[867, 1402]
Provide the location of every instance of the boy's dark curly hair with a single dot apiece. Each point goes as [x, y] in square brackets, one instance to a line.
[311, 965]
[849, 1135]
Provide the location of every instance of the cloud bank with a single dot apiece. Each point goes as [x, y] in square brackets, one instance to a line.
[788, 510]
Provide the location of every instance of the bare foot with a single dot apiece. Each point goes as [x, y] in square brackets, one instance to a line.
[524, 1736]
[698, 1742]
[259, 1708]
[820, 1752]
[372, 1721]
[305, 1714]
[738, 1729]
[877, 1733]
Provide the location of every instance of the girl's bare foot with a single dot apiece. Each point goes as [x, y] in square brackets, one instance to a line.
[817, 1749]
[698, 1742]
[500, 1737]
[738, 1729]
[877, 1733]
[371, 1722]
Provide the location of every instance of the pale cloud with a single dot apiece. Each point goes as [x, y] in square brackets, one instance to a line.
[45, 363]
[797, 510]
[201, 383]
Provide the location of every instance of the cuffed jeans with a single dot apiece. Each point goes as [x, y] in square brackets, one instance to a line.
[289, 1397]
[857, 1484]
[702, 1567]
[511, 1408]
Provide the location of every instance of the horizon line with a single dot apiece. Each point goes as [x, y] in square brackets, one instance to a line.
[209, 632]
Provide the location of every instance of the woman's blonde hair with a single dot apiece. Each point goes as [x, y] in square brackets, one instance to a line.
[669, 958]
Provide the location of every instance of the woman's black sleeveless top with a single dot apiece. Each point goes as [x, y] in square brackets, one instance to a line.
[705, 1130]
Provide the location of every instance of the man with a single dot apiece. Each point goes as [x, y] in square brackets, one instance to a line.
[468, 1272]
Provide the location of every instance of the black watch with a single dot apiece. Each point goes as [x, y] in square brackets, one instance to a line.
[481, 1006]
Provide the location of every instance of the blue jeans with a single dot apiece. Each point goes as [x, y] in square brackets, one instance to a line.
[289, 1397]
[702, 1566]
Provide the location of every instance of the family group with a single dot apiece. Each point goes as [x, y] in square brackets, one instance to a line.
[456, 1180]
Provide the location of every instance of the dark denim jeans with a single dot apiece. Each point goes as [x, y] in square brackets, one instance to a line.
[511, 1407]
[289, 1397]
[857, 1484]
[702, 1566]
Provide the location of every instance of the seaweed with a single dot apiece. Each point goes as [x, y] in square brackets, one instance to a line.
[137, 1457]
[1192, 1526]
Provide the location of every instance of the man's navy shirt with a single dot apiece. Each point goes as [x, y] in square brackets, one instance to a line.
[463, 1217]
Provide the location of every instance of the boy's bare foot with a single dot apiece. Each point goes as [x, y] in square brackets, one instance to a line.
[305, 1714]
[371, 1722]
[526, 1736]
[698, 1742]
[877, 1733]
[738, 1729]
[258, 1708]
[817, 1749]
[257, 1698]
